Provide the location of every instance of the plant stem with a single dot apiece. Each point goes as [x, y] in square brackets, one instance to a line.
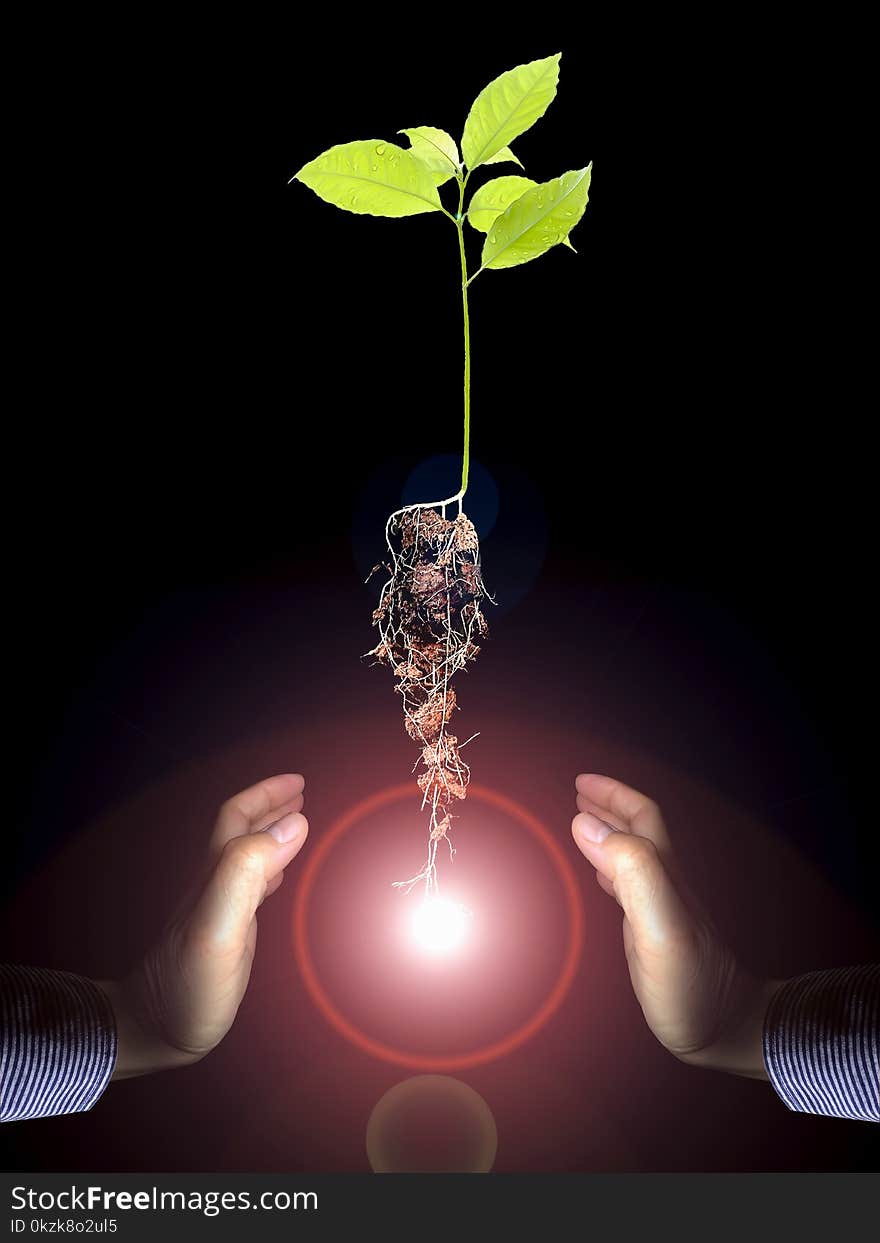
[466, 455]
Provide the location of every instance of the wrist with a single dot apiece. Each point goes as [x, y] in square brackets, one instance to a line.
[140, 1050]
[740, 1049]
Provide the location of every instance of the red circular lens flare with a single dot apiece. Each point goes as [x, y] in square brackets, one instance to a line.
[402, 1057]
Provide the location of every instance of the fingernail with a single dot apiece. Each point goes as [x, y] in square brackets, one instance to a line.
[592, 828]
[287, 828]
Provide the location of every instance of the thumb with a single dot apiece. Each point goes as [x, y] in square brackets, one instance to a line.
[246, 867]
[651, 903]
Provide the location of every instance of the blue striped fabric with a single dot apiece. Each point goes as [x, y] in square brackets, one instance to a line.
[822, 1043]
[58, 1042]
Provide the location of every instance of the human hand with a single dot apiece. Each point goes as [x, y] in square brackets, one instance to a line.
[698, 1001]
[179, 1003]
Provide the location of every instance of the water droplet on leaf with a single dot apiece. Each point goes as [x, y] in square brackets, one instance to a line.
[380, 150]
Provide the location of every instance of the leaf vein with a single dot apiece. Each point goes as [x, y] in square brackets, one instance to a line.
[557, 203]
[510, 114]
[375, 181]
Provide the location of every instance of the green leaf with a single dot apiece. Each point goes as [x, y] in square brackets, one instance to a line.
[503, 156]
[508, 107]
[371, 178]
[436, 149]
[566, 241]
[539, 219]
[495, 197]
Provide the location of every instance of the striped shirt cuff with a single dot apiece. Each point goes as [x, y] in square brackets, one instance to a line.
[58, 1043]
[822, 1043]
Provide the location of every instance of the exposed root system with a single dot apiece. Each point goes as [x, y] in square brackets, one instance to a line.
[429, 617]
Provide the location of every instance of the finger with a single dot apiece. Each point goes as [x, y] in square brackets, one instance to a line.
[624, 807]
[627, 938]
[229, 819]
[659, 837]
[250, 862]
[293, 804]
[616, 822]
[636, 806]
[251, 809]
[641, 883]
[604, 883]
[274, 884]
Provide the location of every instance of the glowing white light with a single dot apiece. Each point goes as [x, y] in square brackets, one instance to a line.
[439, 925]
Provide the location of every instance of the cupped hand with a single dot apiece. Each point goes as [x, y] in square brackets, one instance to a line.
[181, 1000]
[699, 1002]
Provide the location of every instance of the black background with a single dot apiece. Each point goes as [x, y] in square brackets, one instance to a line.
[210, 366]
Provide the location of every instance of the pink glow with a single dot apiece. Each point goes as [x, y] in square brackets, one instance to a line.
[448, 1011]
[439, 926]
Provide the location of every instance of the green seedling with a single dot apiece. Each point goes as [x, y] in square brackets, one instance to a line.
[429, 613]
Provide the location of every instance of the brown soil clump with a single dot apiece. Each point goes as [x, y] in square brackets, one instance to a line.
[429, 616]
